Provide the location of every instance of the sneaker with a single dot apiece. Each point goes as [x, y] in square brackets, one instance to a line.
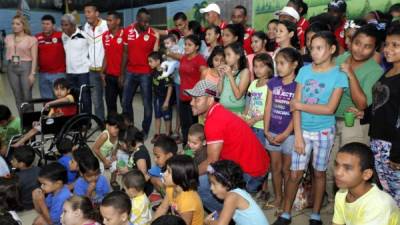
[282, 221]
[154, 139]
[315, 222]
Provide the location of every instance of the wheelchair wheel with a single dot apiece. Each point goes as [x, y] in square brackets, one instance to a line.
[82, 129]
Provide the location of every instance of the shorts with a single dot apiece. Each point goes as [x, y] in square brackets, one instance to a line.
[158, 102]
[260, 135]
[286, 147]
[320, 144]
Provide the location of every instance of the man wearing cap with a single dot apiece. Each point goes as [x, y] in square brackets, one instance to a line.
[337, 9]
[239, 16]
[228, 137]
[213, 15]
[290, 14]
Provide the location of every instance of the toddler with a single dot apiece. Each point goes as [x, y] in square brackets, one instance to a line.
[170, 65]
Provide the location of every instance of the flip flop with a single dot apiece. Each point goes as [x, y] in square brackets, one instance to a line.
[268, 206]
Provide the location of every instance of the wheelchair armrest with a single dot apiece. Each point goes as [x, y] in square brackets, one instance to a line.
[62, 104]
[40, 100]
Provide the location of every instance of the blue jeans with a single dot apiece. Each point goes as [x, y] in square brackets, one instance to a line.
[97, 94]
[253, 183]
[46, 81]
[131, 83]
[210, 202]
[76, 81]
[260, 135]
[112, 92]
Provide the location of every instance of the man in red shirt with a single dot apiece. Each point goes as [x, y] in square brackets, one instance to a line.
[239, 16]
[111, 71]
[337, 8]
[51, 56]
[139, 41]
[228, 137]
[213, 15]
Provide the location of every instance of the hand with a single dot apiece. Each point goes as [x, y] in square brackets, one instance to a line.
[295, 105]
[394, 166]
[227, 70]
[269, 137]
[221, 71]
[107, 164]
[346, 68]
[299, 145]
[91, 186]
[358, 113]
[279, 138]
[250, 122]
[37, 194]
[31, 79]
[121, 81]
[165, 106]
[123, 170]
[209, 218]
[103, 79]
[157, 35]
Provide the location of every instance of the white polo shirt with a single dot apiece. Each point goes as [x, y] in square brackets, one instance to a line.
[96, 49]
[76, 52]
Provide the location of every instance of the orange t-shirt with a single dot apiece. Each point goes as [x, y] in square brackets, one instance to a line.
[187, 201]
[211, 75]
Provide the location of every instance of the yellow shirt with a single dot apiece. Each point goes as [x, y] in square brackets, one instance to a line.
[187, 201]
[141, 210]
[373, 208]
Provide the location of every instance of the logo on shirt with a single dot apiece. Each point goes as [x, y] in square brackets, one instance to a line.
[146, 37]
[313, 90]
[54, 40]
[246, 36]
[119, 40]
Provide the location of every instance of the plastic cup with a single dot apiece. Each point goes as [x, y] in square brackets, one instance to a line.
[121, 164]
[349, 118]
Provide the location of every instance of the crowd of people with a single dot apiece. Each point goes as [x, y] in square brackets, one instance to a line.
[317, 98]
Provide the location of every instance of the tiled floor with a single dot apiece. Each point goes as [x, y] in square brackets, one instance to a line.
[6, 97]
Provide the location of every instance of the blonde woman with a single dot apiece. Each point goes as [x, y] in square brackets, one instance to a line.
[21, 53]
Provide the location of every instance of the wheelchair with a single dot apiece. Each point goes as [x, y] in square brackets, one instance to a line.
[81, 128]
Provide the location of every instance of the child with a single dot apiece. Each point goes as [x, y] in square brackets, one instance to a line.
[354, 202]
[278, 123]
[235, 79]
[10, 197]
[213, 34]
[227, 184]
[232, 33]
[170, 65]
[134, 184]
[350, 28]
[106, 144]
[27, 174]
[271, 35]
[286, 36]
[9, 126]
[318, 92]
[314, 28]
[116, 208]
[64, 147]
[53, 178]
[164, 148]
[181, 180]
[258, 42]
[197, 144]
[216, 59]
[79, 211]
[61, 89]
[91, 183]
[162, 89]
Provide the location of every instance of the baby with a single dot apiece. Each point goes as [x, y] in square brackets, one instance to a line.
[170, 65]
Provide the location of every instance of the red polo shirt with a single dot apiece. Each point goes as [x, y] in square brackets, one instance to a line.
[302, 26]
[339, 33]
[247, 40]
[189, 72]
[140, 45]
[51, 55]
[240, 144]
[113, 50]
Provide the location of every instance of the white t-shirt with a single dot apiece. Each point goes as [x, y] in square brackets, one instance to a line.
[4, 170]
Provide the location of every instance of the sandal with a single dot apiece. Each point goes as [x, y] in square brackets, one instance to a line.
[268, 206]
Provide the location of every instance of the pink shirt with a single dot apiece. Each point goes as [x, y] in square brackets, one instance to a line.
[22, 49]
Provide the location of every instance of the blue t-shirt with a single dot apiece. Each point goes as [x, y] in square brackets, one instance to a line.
[65, 162]
[253, 215]
[55, 204]
[101, 189]
[317, 89]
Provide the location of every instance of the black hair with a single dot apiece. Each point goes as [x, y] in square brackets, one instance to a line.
[82, 152]
[325, 18]
[180, 16]
[271, 44]
[394, 29]
[166, 144]
[292, 27]
[5, 112]
[237, 48]
[169, 220]
[184, 172]
[218, 50]
[118, 200]
[62, 83]
[291, 55]
[394, 8]
[115, 120]
[216, 29]
[54, 172]
[7, 218]
[24, 154]
[241, 7]
[155, 56]
[134, 179]
[172, 37]
[316, 27]
[131, 136]
[49, 18]
[92, 4]
[175, 33]
[237, 30]
[84, 204]
[144, 11]
[267, 60]
[300, 4]
[262, 36]
[370, 30]
[330, 39]
[197, 129]
[361, 151]
[229, 174]
[9, 194]
[115, 14]
[194, 39]
[65, 145]
[195, 27]
[276, 21]
[88, 163]
[378, 15]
